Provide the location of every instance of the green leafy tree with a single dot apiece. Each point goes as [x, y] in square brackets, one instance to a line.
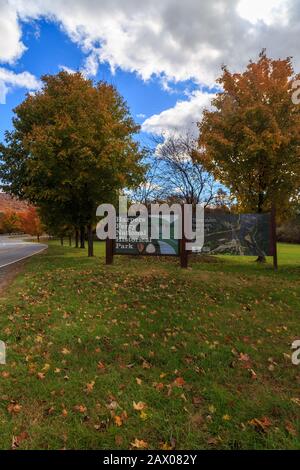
[72, 148]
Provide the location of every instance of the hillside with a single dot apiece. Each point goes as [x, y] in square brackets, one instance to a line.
[8, 203]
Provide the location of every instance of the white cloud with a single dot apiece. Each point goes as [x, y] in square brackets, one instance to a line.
[173, 40]
[91, 65]
[268, 11]
[9, 79]
[11, 46]
[182, 117]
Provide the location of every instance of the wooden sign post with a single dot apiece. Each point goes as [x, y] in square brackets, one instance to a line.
[183, 251]
[109, 251]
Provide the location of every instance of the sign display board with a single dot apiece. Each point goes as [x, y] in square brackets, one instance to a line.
[144, 244]
[224, 233]
[237, 234]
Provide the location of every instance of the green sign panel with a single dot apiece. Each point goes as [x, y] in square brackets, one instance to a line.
[144, 244]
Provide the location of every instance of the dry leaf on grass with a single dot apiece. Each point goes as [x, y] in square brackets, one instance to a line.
[139, 444]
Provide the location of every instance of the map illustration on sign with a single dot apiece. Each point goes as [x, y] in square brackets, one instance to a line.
[237, 234]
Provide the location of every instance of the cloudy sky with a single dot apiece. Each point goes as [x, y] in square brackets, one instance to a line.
[163, 55]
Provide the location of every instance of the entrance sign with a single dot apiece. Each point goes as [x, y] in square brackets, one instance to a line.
[178, 232]
[143, 244]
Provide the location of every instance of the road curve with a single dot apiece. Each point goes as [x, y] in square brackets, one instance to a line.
[12, 251]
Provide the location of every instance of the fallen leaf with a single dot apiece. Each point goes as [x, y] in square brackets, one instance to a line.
[118, 440]
[65, 351]
[144, 416]
[261, 424]
[179, 382]
[118, 421]
[80, 408]
[146, 365]
[139, 406]
[14, 408]
[226, 418]
[90, 386]
[17, 440]
[291, 429]
[197, 401]
[296, 401]
[139, 444]
[212, 409]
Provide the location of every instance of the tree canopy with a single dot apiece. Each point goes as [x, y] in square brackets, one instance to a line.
[250, 140]
[72, 148]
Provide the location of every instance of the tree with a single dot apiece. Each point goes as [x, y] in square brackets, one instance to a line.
[10, 222]
[181, 176]
[31, 223]
[149, 190]
[71, 149]
[250, 140]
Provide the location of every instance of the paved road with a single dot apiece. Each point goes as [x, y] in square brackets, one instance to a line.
[12, 250]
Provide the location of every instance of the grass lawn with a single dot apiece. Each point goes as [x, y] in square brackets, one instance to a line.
[144, 354]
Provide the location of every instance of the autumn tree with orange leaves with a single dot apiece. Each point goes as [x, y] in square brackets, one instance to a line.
[250, 140]
[31, 223]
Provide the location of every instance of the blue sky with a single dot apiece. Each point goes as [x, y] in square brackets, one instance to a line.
[49, 48]
[163, 56]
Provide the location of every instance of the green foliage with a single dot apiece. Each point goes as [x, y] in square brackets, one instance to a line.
[72, 148]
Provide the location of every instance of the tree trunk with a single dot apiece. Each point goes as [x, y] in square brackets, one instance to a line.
[62, 241]
[70, 240]
[76, 238]
[90, 240]
[38, 238]
[82, 237]
[261, 258]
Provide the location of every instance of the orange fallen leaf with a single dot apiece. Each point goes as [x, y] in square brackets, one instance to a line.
[17, 440]
[118, 420]
[14, 408]
[179, 382]
[80, 408]
[139, 444]
[261, 424]
[90, 386]
[139, 406]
